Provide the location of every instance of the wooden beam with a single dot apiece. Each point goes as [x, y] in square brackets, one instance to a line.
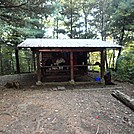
[38, 66]
[33, 57]
[102, 63]
[72, 66]
[69, 49]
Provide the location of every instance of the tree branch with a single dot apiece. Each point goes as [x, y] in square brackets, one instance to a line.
[12, 6]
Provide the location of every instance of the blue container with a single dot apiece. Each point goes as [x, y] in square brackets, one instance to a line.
[97, 79]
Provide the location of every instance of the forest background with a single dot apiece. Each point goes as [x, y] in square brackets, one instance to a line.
[84, 19]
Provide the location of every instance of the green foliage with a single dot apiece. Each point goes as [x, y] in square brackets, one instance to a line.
[20, 19]
[122, 21]
[126, 64]
[76, 19]
[26, 62]
[25, 16]
[101, 13]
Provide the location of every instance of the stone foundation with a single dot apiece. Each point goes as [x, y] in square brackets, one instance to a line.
[24, 79]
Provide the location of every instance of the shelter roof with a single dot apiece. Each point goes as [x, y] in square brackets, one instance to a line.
[66, 43]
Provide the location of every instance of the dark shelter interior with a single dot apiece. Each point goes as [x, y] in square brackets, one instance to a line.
[57, 65]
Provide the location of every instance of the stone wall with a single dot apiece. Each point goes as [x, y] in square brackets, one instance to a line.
[24, 79]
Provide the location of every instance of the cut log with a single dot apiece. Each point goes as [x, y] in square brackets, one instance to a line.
[125, 99]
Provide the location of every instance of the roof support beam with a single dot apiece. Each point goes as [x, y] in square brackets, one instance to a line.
[70, 50]
[102, 63]
[33, 58]
[38, 66]
[72, 67]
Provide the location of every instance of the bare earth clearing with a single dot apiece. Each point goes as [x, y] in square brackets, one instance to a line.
[64, 109]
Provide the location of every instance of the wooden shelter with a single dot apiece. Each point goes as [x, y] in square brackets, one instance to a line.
[73, 51]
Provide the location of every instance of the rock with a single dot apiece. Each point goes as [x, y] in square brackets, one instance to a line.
[61, 88]
[54, 89]
[48, 119]
[56, 110]
[82, 100]
[72, 82]
[38, 83]
[32, 86]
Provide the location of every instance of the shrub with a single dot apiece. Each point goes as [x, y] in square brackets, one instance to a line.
[125, 65]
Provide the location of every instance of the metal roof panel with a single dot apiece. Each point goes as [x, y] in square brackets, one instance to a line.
[66, 43]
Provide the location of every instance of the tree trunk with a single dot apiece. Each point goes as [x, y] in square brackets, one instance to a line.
[17, 61]
[116, 66]
[1, 64]
[125, 99]
[57, 28]
[102, 25]
[122, 36]
[28, 64]
[85, 18]
[12, 64]
[71, 26]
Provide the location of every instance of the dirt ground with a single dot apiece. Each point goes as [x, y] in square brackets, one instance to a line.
[65, 109]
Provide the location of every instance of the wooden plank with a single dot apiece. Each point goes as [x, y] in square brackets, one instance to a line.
[72, 66]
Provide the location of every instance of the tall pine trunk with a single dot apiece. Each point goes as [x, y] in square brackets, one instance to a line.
[17, 60]
[1, 64]
[120, 43]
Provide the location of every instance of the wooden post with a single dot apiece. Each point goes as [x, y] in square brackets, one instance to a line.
[38, 66]
[72, 67]
[33, 57]
[102, 63]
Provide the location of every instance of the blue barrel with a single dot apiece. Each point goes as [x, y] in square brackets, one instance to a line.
[97, 79]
